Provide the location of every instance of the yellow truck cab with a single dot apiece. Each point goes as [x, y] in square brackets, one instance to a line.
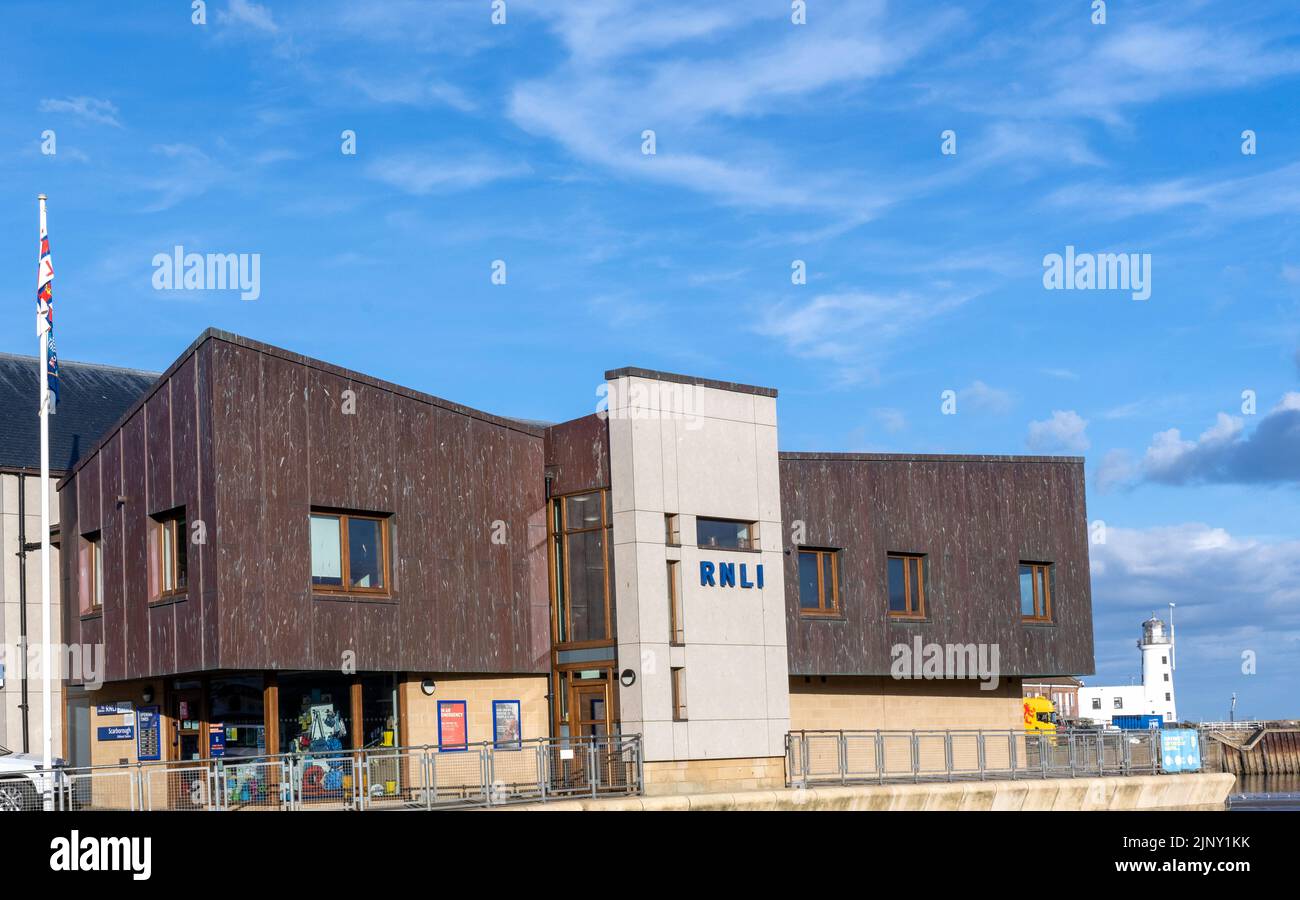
[1040, 715]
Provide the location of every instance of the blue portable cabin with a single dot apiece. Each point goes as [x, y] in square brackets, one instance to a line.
[1137, 723]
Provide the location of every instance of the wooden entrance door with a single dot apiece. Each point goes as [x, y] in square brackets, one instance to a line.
[186, 781]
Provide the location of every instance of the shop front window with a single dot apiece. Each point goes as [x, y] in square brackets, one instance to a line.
[315, 713]
[379, 711]
[237, 717]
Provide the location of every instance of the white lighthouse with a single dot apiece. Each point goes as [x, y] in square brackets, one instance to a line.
[1153, 697]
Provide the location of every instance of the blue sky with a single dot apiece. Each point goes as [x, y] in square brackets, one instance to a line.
[774, 142]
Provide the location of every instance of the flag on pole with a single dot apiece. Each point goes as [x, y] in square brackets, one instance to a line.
[45, 310]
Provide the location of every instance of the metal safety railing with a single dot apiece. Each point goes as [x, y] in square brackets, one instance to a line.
[476, 775]
[854, 757]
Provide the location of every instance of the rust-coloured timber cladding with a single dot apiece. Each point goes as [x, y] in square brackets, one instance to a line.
[975, 518]
[258, 436]
[577, 455]
[148, 463]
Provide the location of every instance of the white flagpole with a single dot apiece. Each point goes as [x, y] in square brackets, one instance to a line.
[46, 701]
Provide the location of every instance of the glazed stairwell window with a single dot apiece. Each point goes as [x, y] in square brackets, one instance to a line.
[906, 586]
[349, 553]
[168, 543]
[581, 568]
[819, 582]
[1036, 583]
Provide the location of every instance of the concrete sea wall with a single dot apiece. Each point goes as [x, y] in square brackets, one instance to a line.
[1134, 792]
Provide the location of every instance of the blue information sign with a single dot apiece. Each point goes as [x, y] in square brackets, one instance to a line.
[1180, 750]
[117, 732]
[149, 746]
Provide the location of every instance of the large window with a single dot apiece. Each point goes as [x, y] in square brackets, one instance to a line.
[167, 544]
[819, 582]
[726, 534]
[906, 585]
[349, 553]
[580, 530]
[1036, 592]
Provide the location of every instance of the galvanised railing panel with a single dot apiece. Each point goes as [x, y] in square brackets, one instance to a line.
[847, 757]
[483, 774]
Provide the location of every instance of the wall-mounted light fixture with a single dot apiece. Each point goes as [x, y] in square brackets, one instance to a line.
[627, 678]
[147, 693]
[428, 686]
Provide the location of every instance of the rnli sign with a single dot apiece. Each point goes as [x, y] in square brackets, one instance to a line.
[730, 574]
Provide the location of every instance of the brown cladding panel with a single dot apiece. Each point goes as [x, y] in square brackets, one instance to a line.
[209, 622]
[113, 620]
[242, 529]
[974, 519]
[135, 535]
[414, 496]
[188, 615]
[577, 455]
[283, 506]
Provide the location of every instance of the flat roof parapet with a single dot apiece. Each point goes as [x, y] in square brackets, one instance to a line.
[637, 372]
[928, 457]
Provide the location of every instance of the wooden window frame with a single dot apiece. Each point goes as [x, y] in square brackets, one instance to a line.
[1042, 575]
[345, 563]
[164, 526]
[94, 542]
[557, 531]
[672, 530]
[913, 614]
[822, 610]
[676, 617]
[677, 675]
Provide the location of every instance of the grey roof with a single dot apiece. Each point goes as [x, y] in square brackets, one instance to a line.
[91, 400]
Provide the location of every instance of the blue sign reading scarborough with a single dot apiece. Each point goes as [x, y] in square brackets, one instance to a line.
[117, 733]
[725, 573]
[1180, 750]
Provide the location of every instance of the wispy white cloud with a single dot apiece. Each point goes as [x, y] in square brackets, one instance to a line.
[89, 109]
[433, 171]
[247, 14]
[855, 331]
[983, 398]
[597, 105]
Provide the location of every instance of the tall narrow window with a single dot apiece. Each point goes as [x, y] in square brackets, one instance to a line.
[819, 582]
[906, 586]
[676, 625]
[582, 576]
[679, 694]
[167, 547]
[1036, 592]
[91, 572]
[349, 553]
[672, 534]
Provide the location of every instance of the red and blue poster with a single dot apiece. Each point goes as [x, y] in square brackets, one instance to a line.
[453, 731]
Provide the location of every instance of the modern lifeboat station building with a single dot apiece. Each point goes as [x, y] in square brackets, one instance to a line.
[271, 549]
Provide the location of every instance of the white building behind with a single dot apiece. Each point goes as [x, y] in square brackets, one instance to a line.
[1153, 697]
